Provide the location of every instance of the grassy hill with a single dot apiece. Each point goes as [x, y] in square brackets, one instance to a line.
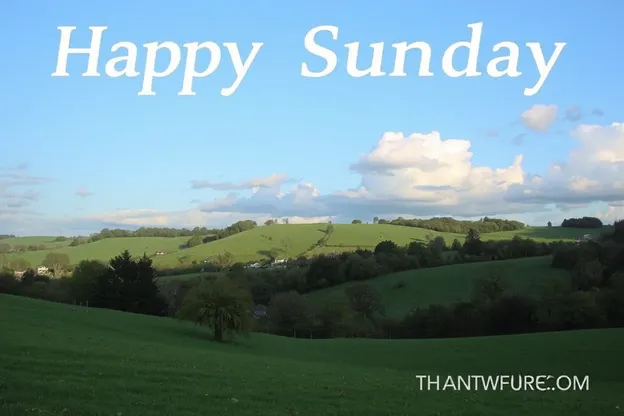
[448, 284]
[546, 234]
[279, 240]
[56, 360]
[294, 240]
[106, 249]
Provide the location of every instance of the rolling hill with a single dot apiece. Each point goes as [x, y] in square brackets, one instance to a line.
[60, 360]
[105, 249]
[278, 240]
[448, 284]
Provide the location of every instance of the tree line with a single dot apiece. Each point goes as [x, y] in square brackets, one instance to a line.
[585, 222]
[451, 225]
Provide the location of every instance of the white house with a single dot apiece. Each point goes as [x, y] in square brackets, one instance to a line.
[41, 270]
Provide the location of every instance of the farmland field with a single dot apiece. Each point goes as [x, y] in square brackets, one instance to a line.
[448, 284]
[279, 241]
[107, 248]
[57, 360]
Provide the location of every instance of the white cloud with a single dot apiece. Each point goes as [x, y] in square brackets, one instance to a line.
[424, 174]
[419, 174]
[270, 181]
[612, 213]
[539, 117]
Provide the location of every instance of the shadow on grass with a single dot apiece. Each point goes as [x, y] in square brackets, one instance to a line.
[202, 333]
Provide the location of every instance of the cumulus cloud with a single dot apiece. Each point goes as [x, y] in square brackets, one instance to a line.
[418, 175]
[614, 212]
[263, 182]
[424, 174]
[593, 170]
[539, 117]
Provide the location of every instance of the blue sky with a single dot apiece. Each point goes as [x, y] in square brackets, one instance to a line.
[80, 153]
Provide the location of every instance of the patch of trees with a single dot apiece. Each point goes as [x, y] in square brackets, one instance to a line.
[149, 232]
[585, 222]
[451, 225]
[5, 236]
[124, 284]
[237, 227]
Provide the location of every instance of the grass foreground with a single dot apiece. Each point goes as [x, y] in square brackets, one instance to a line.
[60, 360]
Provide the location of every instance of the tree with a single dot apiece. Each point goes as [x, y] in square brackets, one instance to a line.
[269, 222]
[220, 305]
[386, 247]
[83, 287]
[290, 312]
[285, 220]
[375, 220]
[489, 288]
[129, 285]
[224, 259]
[58, 262]
[473, 244]
[549, 224]
[365, 300]
[456, 246]
[335, 315]
[356, 222]
[194, 241]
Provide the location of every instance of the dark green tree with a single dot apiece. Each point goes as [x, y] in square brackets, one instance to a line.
[220, 305]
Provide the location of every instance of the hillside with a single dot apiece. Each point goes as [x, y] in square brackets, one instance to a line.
[55, 359]
[293, 240]
[546, 234]
[105, 249]
[278, 240]
[448, 284]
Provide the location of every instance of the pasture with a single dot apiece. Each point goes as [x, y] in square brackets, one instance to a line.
[277, 241]
[447, 284]
[59, 360]
[106, 249]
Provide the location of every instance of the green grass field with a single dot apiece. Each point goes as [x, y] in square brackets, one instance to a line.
[448, 284]
[106, 249]
[545, 234]
[279, 240]
[35, 240]
[57, 360]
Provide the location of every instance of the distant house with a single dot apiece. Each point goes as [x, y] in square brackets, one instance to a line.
[19, 273]
[254, 266]
[160, 253]
[42, 270]
[260, 311]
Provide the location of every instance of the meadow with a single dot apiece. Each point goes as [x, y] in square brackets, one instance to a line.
[103, 249]
[60, 360]
[278, 241]
[448, 284]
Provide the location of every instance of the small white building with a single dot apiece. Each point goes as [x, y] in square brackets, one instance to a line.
[41, 270]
